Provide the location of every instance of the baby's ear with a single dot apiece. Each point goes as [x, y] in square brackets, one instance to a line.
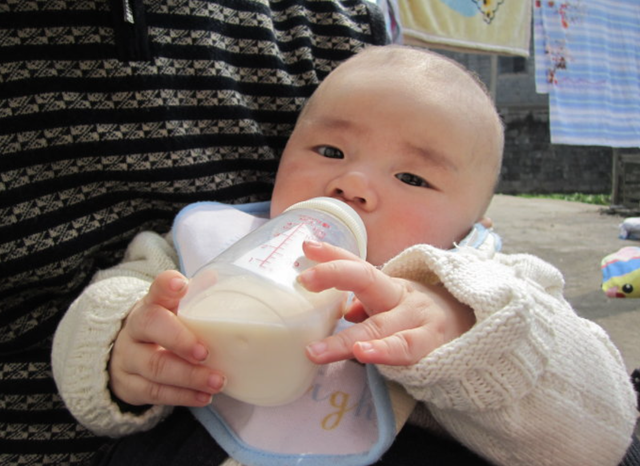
[486, 222]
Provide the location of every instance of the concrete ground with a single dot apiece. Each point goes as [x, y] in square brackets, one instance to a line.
[574, 237]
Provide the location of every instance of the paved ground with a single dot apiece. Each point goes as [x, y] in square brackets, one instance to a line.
[574, 237]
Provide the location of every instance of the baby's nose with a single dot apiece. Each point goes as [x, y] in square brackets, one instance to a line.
[355, 188]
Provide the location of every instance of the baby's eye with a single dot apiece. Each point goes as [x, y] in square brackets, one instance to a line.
[330, 152]
[413, 180]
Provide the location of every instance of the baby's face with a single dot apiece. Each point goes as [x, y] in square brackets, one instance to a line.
[400, 149]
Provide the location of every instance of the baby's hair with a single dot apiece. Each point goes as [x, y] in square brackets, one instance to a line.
[389, 50]
[387, 56]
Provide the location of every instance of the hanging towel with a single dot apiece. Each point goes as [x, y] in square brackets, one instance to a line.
[588, 60]
[499, 26]
[389, 9]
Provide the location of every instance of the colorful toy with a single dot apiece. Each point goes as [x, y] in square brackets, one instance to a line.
[621, 273]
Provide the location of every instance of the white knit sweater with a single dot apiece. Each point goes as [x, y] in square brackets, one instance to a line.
[530, 384]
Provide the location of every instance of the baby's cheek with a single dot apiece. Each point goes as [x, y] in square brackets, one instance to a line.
[386, 245]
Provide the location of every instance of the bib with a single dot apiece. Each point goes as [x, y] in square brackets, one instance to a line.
[345, 418]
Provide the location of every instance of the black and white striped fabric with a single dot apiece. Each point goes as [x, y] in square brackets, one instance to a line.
[113, 115]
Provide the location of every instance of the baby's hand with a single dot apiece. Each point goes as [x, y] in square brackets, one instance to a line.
[399, 321]
[155, 358]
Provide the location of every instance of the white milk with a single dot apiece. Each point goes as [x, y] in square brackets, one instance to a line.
[247, 307]
[257, 332]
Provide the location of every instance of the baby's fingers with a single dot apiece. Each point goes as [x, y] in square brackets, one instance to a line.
[360, 342]
[376, 291]
[167, 289]
[156, 324]
[175, 396]
[156, 376]
[401, 349]
[154, 318]
[378, 327]
[147, 392]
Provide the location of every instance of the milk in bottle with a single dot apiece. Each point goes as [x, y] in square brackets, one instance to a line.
[255, 318]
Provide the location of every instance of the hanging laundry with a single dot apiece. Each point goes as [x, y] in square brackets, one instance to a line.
[588, 60]
[389, 9]
[499, 26]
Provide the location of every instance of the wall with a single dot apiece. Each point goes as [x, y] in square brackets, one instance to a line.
[532, 164]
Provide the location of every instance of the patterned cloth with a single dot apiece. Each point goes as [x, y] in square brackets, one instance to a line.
[468, 25]
[111, 120]
[588, 61]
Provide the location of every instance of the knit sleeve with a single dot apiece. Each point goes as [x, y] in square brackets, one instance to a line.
[83, 340]
[531, 382]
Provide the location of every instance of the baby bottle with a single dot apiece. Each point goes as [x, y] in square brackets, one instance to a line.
[256, 319]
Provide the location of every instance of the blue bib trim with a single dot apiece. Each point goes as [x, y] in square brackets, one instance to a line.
[250, 456]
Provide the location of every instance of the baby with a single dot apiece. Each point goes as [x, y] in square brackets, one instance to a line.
[485, 342]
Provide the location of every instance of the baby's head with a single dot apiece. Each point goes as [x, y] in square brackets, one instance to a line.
[408, 138]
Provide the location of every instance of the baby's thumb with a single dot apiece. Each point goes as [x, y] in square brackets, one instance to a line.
[167, 289]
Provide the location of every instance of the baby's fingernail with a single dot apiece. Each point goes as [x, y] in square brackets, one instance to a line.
[313, 243]
[316, 349]
[217, 382]
[177, 283]
[200, 352]
[306, 277]
[203, 397]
